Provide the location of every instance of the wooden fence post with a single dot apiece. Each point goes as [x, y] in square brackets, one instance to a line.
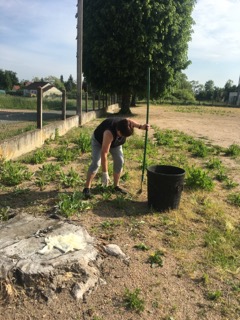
[86, 101]
[39, 107]
[93, 101]
[99, 99]
[64, 104]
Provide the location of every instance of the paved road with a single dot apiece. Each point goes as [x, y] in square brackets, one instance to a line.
[10, 116]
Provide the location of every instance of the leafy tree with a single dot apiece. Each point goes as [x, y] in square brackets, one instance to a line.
[70, 84]
[196, 87]
[182, 88]
[209, 90]
[8, 79]
[229, 87]
[122, 38]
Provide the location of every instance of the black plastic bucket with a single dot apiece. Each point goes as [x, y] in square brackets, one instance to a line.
[165, 185]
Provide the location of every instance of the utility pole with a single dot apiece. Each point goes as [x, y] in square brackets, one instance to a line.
[79, 17]
[238, 93]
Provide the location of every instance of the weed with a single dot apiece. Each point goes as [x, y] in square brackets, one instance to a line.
[83, 142]
[135, 142]
[233, 150]
[125, 176]
[141, 246]
[214, 295]
[205, 279]
[214, 163]
[106, 195]
[230, 184]
[20, 191]
[164, 138]
[236, 287]
[13, 173]
[57, 136]
[70, 204]
[66, 155]
[71, 179]
[155, 259]
[120, 202]
[199, 149]
[47, 173]
[133, 301]
[4, 213]
[221, 175]
[38, 157]
[198, 179]
[234, 199]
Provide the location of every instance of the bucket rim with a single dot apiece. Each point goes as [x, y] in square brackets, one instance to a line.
[181, 170]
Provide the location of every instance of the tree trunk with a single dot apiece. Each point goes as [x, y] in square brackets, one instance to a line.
[133, 101]
[125, 104]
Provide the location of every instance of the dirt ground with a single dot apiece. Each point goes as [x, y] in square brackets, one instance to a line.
[170, 293]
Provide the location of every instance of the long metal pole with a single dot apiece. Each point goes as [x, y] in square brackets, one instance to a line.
[79, 59]
[147, 119]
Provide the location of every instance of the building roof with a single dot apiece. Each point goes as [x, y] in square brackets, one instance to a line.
[37, 84]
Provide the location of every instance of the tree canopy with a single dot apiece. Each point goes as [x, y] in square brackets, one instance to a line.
[122, 38]
[7, 79]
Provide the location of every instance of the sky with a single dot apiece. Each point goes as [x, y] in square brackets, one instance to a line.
[38, 39]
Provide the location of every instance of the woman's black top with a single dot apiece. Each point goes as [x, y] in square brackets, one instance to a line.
[111, 125]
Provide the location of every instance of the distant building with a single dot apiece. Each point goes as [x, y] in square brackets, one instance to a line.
[48, 89]
[234, 97]
[16, 87]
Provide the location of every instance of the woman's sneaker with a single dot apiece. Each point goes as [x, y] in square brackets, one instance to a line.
[87, 193]
[120, 190]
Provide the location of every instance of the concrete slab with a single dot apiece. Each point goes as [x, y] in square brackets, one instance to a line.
[44, 254]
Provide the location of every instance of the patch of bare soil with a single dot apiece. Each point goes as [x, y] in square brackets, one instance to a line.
[178, 289]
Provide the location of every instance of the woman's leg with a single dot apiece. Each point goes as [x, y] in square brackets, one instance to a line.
[118, 161]
[95, 164]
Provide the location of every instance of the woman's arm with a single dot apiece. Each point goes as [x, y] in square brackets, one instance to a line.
[135, 124]
[107, 140]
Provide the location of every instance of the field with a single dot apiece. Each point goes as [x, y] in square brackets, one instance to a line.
[183, 264]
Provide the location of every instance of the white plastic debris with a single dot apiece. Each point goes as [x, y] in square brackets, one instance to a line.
[64, 243]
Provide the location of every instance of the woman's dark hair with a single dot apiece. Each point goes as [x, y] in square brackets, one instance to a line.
[125, 127]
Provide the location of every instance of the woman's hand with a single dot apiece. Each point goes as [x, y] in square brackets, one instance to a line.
[105, 179]
[145, 126]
